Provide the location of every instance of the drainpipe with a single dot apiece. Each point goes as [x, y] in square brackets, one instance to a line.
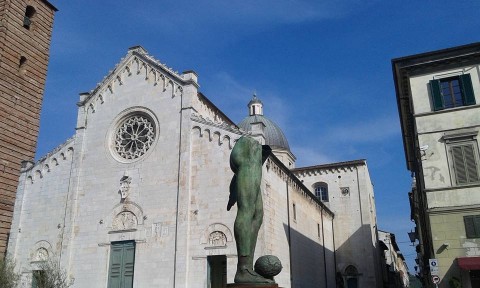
[178, 194]
[324, 256]
[289, 234]
[334, 250]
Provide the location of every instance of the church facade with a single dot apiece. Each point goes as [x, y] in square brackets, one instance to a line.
[137, 197]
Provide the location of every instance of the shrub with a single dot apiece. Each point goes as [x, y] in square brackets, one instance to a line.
[8, 277]
[51, 275]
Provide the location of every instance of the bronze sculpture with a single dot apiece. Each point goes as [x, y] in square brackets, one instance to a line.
[246, 162]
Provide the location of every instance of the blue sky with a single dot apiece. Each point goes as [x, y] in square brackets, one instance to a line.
[322, 69]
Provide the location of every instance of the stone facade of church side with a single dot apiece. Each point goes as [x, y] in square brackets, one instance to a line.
[70, 203]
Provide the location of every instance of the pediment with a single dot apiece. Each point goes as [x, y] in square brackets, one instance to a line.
[136, 61]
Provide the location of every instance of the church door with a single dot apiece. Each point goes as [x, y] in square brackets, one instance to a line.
[352, 282]
[122, 260]
[217, 271]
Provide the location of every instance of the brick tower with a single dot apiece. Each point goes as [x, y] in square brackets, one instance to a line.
[25, 33]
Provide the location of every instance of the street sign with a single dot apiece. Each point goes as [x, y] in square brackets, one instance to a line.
[435, 279]
[433, 266]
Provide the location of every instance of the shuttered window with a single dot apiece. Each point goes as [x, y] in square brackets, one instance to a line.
[472, 226]
[122, 260]
[452, 92]
[465, 163]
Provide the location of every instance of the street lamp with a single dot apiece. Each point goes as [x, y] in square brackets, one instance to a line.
[413, 236]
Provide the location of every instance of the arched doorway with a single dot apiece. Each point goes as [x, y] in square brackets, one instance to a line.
[351, 276]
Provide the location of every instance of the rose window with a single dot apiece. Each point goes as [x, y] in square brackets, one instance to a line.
[134, 137]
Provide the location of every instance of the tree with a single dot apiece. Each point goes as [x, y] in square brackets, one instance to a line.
[50, 275]
[8, 277]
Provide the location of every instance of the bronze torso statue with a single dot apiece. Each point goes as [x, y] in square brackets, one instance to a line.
[246, 162]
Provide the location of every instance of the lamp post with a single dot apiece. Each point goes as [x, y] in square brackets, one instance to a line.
[413, 236]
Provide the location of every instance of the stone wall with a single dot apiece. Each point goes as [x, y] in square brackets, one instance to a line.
[24, 57]
[350, 197]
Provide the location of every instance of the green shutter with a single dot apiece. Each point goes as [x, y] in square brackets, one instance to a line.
[115, 271]
[476, 221]
[122, 262]
[436, 95]
[470, 164]
[459, 165]
[469, 226]
[467, 89]
[128, 264]
[465, 163]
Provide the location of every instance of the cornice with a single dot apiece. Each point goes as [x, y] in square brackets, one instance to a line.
[224, 126]
[139, 61]
[346, 165]
[36, 171]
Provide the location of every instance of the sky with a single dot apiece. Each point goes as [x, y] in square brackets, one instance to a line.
[322, 69]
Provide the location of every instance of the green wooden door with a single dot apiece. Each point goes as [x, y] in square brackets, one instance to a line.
[122, 262]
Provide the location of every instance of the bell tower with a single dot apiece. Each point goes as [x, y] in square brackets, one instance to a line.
[25, 33]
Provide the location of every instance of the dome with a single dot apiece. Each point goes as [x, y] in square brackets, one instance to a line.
[274, 136]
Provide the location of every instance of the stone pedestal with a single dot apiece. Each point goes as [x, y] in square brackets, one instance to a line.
[253, 285]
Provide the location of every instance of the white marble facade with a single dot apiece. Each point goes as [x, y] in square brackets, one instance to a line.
[149, 163]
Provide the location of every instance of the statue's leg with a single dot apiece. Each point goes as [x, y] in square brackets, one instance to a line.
[247, 223]
[256, 220]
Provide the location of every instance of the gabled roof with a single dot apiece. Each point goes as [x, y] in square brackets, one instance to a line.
[138, 58]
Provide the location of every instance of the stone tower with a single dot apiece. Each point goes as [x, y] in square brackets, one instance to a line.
[25, 33]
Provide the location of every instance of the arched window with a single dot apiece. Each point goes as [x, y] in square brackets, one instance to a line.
[321, 191]
[22, 65]
[27, 20]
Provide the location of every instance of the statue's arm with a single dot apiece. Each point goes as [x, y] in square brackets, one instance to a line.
[232, 199]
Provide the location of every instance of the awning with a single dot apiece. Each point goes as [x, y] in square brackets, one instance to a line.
[469, 263]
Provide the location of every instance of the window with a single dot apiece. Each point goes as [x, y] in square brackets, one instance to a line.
[321, 191]
[472, 226]
[294, 212]
[452, 92]
[122, 262]
[465, 162]
[27, 20]
[318, 230]
[22, 65]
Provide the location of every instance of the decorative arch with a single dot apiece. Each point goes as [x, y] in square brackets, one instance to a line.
[208, 133]
[227, 139]
[196, 130]
[41, 251]
[217, 137]
[125, 216]
[211, 233]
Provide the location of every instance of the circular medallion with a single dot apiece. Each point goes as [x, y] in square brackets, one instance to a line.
[133, 135]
